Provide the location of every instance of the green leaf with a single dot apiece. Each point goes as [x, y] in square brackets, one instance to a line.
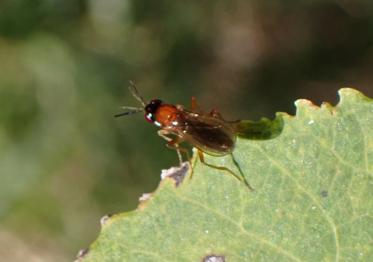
[313, 197]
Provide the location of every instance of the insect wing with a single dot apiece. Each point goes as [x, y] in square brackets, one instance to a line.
[211, 135]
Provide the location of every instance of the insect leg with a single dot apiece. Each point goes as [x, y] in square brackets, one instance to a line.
[194, 106]
[215, 113]
[241, 173]
[241, 179]
[179, 150]
[193, 103]
[173, 143]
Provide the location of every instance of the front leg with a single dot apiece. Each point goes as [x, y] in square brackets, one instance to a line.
[173, 143]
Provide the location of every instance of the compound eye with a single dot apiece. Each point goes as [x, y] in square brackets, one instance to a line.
[149, 117]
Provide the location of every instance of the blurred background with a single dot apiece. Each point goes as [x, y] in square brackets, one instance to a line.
[65, 161]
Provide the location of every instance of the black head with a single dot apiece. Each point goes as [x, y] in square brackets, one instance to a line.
[151, 108]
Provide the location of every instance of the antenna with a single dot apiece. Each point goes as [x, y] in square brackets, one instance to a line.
[130, 110]
[135, 93]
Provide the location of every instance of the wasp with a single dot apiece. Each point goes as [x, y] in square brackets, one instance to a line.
[208, 133]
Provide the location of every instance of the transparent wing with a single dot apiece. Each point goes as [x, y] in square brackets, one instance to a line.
[211, 135]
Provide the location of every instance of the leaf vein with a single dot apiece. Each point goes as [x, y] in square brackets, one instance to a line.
[300, 187]
[242, 229]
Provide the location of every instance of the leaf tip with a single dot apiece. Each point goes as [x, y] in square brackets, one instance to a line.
[348, 93]
[304, 103]
[304, 107]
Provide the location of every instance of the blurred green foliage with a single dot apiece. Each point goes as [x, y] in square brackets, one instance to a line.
[64, 70]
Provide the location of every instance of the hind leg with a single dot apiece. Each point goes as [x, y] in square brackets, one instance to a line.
[240, 178]
[215, 113]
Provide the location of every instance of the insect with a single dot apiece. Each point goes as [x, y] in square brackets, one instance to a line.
[208, 133]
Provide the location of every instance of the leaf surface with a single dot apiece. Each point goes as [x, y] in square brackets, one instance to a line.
[313, 197]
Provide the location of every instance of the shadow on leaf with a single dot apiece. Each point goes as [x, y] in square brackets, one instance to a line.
[260, 130]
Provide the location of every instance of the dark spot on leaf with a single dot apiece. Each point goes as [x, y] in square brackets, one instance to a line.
[105, 218]
[324, 193]
[214, 258]
[176, 173]
[82, 253]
